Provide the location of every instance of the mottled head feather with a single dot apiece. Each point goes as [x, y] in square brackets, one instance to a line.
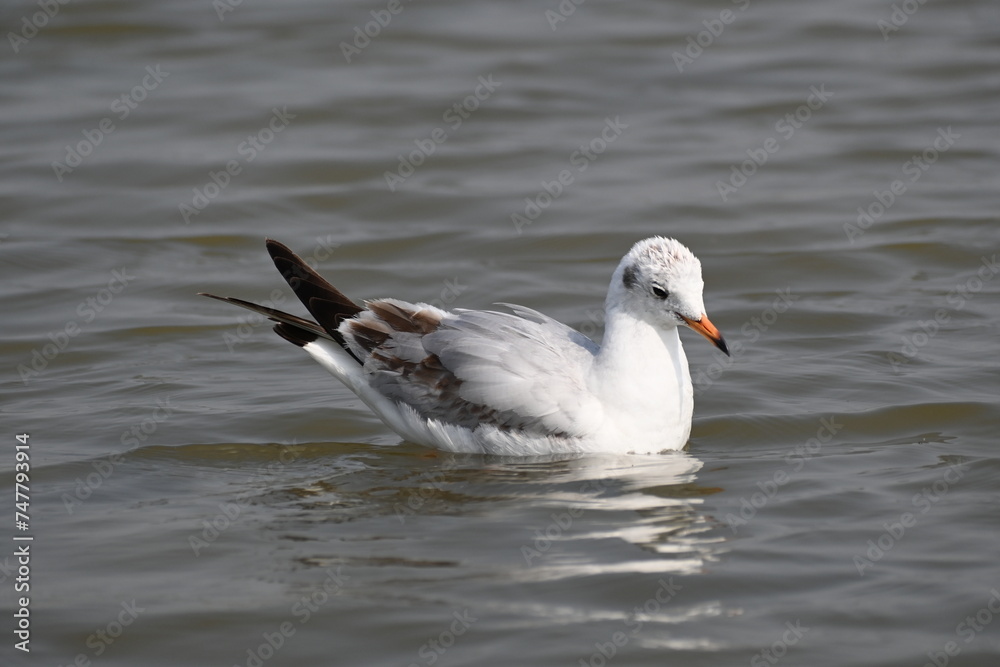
[660, 265]
[662, 254]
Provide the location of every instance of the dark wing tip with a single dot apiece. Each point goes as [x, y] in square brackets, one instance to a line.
[226, 299]
[311, 287]
[277, 249]
[295, 335]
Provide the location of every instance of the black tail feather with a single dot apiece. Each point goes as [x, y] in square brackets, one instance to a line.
[295, 335]
[305, 330]
[324, 301]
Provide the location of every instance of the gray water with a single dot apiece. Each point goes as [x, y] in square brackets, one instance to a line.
[201, 493]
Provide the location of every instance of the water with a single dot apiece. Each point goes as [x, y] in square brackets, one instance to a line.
[202, 494]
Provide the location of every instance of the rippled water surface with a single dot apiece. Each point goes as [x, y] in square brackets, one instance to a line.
[201, 493]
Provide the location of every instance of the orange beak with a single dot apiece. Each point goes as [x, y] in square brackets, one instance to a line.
[705, 327]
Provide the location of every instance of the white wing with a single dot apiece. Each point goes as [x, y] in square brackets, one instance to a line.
[523, 371]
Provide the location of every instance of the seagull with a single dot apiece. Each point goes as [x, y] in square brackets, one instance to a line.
[518, 383]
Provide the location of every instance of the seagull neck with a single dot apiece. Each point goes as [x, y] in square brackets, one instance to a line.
[639, 362]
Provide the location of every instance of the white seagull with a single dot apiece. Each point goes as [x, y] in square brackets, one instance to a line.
[518, 384]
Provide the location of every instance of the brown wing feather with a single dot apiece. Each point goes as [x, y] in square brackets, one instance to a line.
[388, 337]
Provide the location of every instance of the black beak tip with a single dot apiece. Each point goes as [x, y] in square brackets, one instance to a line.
[721, 344]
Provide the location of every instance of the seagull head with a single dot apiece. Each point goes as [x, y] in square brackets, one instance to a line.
[659, 280]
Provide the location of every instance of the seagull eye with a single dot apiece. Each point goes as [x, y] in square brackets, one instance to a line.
[660, 293]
